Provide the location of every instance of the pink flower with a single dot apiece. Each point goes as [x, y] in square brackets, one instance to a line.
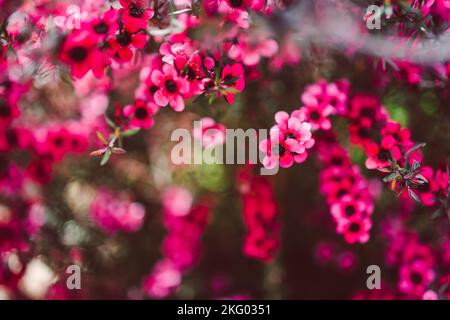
[288, 141]
[348, 207]
[354, 229]
[141, 113]
[171, 87]
[258, 244]
[232, 77]
[177, 201]
[121, 47]
[378, 157]
[104, 25]
[328, 97]
[113, 214]
[210, 133]
[135, 14]
[430, 295]
[250, 53]
[318, 117]
[163, 280]
[415, 278]
[80, 51]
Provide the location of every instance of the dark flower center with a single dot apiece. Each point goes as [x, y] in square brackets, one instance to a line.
[5, 111]
[153, 89]
[416, 278]
[424, 187]
[11, 137]
[191, 74]
[282, 150]
[101, 28]
[78, 54]
[171, 86]
[383, 155]
[135, 11]
[367, 112]
[363, 132]
[341, 193]
[229, 79]
[7, 84]
[314, 115]
[336, 161]
[74, 143]
[208, 85]
[236, 3]
[289, 135]
[354, 227]
[124, 39]
[58, 141]
[141, 113]
[350, 210]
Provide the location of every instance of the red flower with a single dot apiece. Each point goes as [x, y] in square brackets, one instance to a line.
[171, 87]
[135, 15]
[80, 51]
[355, 229]
[40, 170]
[378, 156]
[121, 46]
[104, 25]
[233, 77]
[141, 113]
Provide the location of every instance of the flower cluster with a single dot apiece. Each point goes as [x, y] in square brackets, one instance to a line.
[414, 260]
[289, 140]
[346, 192]
[182, 245]
[113, 214]
[389, 149]
[260, 216]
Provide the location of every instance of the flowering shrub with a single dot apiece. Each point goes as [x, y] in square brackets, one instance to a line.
[356, 116]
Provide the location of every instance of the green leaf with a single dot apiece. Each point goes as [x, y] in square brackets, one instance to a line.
[130, 132]
[106, 157]
[102, 138]
[110, 122]
[390, 177]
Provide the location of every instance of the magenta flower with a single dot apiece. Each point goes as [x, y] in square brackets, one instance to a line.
[348, 207]
[210, 133]
[104, 25]
[328, 97]
[80, 51]
[318, 116]
[233, 78]
[288, 141]
[135, 14]
[113, 214]
[163, 280]
[171, 87]
[415, 278]
[354, 229]
[250, 52]
[122, 46]
[141, 113]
